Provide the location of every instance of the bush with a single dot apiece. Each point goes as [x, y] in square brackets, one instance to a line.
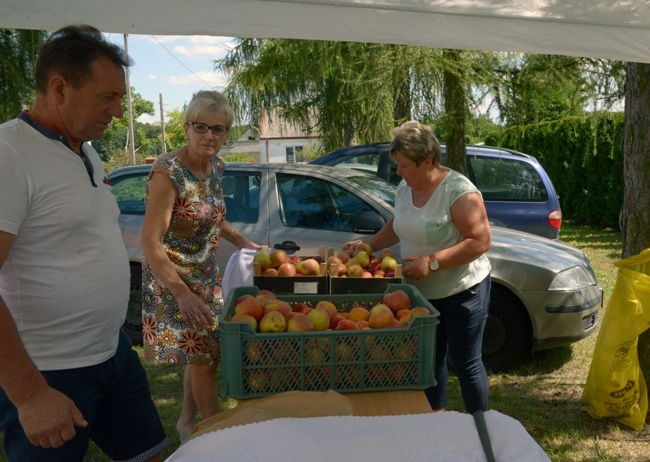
[584, 158]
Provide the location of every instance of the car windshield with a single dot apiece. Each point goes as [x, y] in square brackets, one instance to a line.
[376, 186]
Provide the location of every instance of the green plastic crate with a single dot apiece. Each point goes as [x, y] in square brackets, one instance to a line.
[255, 365]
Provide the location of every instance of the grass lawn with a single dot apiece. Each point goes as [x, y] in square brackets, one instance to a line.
[544, 392]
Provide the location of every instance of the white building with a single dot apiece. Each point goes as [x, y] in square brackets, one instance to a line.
[276, 140]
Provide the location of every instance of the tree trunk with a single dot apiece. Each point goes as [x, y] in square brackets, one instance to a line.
[454, 96]
[402, 109]
[636, 173]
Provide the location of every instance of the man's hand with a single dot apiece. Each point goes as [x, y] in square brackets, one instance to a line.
[49, 419]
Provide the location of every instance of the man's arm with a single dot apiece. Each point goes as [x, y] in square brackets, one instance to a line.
[47, 416]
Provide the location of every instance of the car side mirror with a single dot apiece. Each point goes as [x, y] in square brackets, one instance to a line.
[368, 223]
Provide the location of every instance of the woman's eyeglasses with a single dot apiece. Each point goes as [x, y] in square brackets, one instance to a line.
[217, 130]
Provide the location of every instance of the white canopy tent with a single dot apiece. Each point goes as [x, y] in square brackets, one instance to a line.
[611, 29]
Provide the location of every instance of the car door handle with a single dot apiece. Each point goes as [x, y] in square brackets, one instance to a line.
[288, 246]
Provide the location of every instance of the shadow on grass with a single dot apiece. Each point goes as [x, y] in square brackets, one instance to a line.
[544, 362]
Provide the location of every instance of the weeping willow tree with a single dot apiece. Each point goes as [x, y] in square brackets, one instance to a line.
[346, 91]
[18, 53]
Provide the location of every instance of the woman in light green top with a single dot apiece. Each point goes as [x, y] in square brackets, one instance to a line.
[443, 230]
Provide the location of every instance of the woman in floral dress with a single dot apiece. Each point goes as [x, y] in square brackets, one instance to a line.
[181, 284]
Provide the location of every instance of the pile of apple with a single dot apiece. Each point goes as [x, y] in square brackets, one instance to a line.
[359, 262]
[279, 263]
[266, 314]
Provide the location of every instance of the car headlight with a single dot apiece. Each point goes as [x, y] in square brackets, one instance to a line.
[571, 279]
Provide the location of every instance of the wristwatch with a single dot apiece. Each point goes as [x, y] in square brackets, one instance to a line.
[433, 263]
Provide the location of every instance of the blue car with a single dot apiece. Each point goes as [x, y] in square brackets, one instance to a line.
[517, 191]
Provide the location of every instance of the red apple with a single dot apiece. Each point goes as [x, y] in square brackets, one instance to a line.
[380, 315]
[299, 323]
[264, 295]
[359, 313]
[243, 317]
[347, 324]
[397, 300]
[335, 321]
[251, 306]
[276, 304]
[328, 306]
[270, 272]
[286, 269]
[278, 257]
[420, 311]
[299, 307]
[242, 297]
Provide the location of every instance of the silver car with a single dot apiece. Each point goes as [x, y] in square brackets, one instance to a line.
[544, 293]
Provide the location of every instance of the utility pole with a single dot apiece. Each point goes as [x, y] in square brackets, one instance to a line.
[162, 125]
[131, 138]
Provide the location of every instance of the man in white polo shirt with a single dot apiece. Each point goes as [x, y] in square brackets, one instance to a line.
[67, 373]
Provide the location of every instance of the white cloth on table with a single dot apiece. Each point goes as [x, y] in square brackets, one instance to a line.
[432, 437]
[239, 271]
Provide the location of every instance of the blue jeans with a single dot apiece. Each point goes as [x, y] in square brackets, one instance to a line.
[113, 397]
[459, 337]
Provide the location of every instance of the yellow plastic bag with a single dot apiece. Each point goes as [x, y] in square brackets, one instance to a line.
[615, 387]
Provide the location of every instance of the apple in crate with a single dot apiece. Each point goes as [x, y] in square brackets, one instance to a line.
[380, 315]
[273, 321]
[278, 257]
[243, 317]
[388, 264]
[329, 307]
[397, 300]
[276, 304]
[299, 323]
[287, 269]
[252, 306]
[310, 267]
[359, 313]
[264, 295]
[320, 319]
[270, 272]
[347, 324]
[420, 311]
[264, 259]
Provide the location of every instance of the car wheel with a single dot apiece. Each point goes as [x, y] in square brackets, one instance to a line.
[132, 326]
[507, 331]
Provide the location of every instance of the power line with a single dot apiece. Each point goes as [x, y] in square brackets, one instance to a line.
[181, 63]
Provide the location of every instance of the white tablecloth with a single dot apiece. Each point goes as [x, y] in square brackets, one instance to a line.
[444, 437]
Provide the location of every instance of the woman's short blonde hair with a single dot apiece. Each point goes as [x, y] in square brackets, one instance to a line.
[207, 103]
[416, 141]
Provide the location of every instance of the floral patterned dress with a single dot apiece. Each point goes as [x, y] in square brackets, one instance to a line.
[191, 242]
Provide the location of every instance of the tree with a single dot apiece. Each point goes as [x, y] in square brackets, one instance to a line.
[636, 175]
[350, 92]
[536, 88]
[115, 137]
[18, 54]
[455, 109]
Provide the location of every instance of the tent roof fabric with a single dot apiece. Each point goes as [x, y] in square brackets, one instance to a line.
[611, 29]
